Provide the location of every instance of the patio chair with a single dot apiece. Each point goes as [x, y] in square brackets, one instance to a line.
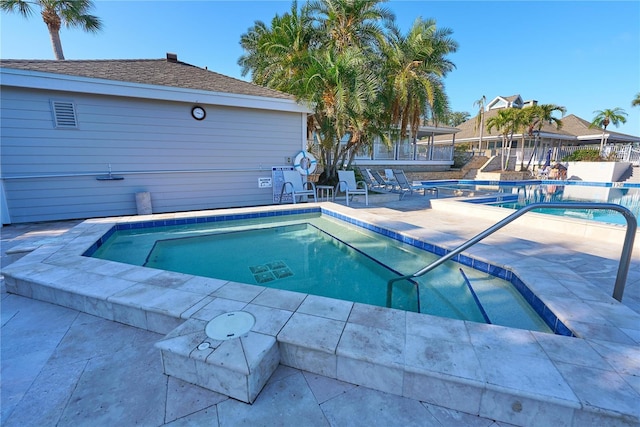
[381, 181]
[407, 188]
[348, 185]
[294, 185]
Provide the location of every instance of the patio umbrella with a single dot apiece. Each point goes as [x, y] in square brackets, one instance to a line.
[547, 161]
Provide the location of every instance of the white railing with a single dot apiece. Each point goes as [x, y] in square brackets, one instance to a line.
[629, 154]
[622, 153]
[407, 151]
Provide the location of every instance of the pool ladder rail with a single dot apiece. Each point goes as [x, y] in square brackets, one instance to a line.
[625, 256]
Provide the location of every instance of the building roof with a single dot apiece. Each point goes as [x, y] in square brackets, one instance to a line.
[505, 101]
[160, 72]
[573, 128]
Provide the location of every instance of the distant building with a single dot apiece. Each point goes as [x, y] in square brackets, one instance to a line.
[574, 130]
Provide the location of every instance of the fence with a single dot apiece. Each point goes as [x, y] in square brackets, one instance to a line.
[621, 153]
[407, 151]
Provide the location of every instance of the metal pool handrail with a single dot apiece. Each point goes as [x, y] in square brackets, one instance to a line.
[625, 256]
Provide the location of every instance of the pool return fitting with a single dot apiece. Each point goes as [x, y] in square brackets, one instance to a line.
[625, 256]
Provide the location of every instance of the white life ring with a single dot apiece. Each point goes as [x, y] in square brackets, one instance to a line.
[305, 163]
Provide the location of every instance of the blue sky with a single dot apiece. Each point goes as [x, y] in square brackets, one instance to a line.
[583, 55]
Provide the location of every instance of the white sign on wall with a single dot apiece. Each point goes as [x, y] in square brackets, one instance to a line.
[264, 183]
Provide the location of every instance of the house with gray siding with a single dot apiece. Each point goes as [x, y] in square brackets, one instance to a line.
[81, 139]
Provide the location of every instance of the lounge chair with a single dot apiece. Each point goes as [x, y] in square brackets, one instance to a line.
[388, 173]
[381, 181]
[372, 184]
[294, 185]
[407, 188]
[348, 185]
[366, 177]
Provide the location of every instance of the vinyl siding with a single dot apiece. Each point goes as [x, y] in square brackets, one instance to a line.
[156, 146]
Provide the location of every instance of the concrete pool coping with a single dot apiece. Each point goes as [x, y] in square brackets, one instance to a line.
[588, 229]
[505, 374]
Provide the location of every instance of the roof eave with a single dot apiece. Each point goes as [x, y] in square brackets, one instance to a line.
[62, 82]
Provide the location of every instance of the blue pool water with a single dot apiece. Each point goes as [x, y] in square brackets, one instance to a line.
[516, 194]
[321, 255]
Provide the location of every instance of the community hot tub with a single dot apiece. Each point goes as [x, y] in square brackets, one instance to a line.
[317, 253]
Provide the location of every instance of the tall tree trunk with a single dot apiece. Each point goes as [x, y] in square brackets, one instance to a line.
[51, 18]
[533, 151]
[56, 44]
[502, 148]
[522, 152]
[481, 130]
[509, 144]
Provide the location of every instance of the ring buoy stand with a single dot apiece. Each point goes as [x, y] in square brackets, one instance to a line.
[305, 163]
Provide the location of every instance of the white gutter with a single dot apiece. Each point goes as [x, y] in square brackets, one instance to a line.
[612, 136]
[62, 82]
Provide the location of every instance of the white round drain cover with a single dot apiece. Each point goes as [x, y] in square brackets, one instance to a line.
[230, 325]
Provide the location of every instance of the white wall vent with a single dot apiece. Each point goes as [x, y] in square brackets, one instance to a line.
[64, 114]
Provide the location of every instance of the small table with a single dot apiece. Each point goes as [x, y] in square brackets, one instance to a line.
[325, 192]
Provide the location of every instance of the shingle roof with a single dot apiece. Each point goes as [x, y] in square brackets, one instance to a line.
[160, 72]
[572, 126]
[511, 98]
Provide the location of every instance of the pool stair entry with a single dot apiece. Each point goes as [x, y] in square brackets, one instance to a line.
[475, 297]
[625, 256]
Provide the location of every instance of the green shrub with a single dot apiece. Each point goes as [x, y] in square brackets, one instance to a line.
[585, 155]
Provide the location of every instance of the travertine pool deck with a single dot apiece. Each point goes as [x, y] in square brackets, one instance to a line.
[514, 376]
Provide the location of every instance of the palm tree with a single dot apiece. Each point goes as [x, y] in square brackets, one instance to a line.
[341, 87]
[335, 56]
[480, 118]
[350, 23]
[507, 121]
[539, 115]
[636, 100]
[605, 117]
[322, 55]
[277, 56]
[454, 118]
[72, 13]
[413, 68]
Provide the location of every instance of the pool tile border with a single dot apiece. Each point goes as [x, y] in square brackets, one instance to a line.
[532, 182]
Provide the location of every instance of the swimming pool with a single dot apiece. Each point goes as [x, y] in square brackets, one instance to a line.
[321, 254]
[516, 194]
